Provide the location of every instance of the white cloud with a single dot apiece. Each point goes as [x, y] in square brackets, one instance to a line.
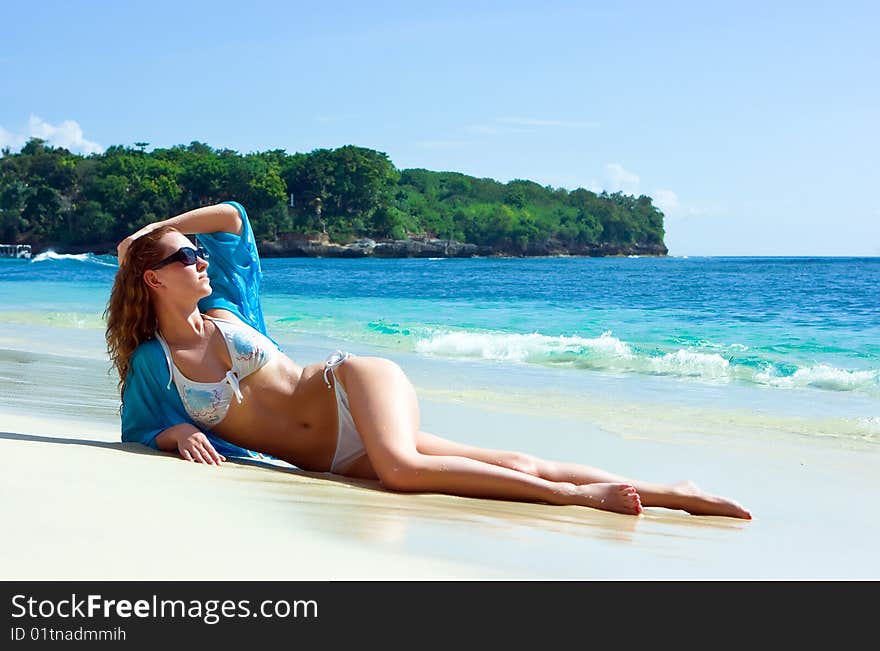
[618, 179]
[667, 201]
[675, 210]
[68, 134]
[10, 140]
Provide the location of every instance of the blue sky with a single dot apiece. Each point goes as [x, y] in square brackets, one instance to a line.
[754, 125]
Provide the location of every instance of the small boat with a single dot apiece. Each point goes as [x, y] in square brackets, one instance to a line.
[15, 251]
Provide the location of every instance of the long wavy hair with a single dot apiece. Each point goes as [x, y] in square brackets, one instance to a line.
[130, 315]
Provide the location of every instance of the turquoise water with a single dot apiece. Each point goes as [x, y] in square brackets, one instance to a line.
[789, 344]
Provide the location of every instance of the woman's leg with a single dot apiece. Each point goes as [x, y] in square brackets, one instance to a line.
[386, 413]
[683, 495]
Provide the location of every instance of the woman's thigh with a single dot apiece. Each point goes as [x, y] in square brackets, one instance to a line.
[384, 408]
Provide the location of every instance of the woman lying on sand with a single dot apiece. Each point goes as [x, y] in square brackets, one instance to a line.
[199, 375]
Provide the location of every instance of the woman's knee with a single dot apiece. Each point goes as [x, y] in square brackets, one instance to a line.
[402, 473]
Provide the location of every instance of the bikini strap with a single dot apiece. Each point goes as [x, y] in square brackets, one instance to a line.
[334, 360]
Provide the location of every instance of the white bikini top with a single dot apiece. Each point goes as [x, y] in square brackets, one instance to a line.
[208, 402]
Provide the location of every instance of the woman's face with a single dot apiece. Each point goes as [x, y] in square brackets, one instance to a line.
[179, 281]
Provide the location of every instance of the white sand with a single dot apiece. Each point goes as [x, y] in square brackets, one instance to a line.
[76, 504]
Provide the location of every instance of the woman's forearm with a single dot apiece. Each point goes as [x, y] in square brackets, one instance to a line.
[207, 219]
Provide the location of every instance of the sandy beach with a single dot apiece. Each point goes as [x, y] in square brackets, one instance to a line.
[81, 505]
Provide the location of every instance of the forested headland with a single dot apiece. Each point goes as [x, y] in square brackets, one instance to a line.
[349, 201]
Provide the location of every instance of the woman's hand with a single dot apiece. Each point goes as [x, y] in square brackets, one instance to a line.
[196, 447]
[123, 246]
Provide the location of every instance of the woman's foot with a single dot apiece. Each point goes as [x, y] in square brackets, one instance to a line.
[620, 498]
[695, 501]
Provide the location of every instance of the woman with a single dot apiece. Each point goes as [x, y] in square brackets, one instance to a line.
[199, 375]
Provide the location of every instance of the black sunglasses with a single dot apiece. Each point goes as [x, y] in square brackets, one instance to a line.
[185, 255]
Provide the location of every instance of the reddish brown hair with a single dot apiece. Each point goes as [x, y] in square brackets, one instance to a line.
[130, 315]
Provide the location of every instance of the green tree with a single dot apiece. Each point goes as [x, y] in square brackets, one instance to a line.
[48, 195]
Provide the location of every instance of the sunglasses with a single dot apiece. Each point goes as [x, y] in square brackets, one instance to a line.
[185, 255]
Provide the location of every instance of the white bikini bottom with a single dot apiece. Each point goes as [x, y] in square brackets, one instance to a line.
[349, 444]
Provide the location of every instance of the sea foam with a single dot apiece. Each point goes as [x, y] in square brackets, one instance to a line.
[609, 353]
[52, 256]
[823, 376]
[525, 347]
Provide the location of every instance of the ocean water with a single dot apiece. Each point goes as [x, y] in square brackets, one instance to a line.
[666, 347]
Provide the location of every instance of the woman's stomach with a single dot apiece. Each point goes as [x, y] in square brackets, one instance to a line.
[286, 411]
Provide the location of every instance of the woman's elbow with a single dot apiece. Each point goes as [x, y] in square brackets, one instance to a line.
[234, 218]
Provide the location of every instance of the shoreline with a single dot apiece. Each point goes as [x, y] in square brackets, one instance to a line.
[424, 247]
[416, 247]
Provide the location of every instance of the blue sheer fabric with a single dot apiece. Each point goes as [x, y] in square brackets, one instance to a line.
[235, 272]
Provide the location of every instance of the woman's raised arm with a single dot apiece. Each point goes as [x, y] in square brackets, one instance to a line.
[222, 217]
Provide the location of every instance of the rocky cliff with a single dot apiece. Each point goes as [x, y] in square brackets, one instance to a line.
[299, 247]
[437, 248]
